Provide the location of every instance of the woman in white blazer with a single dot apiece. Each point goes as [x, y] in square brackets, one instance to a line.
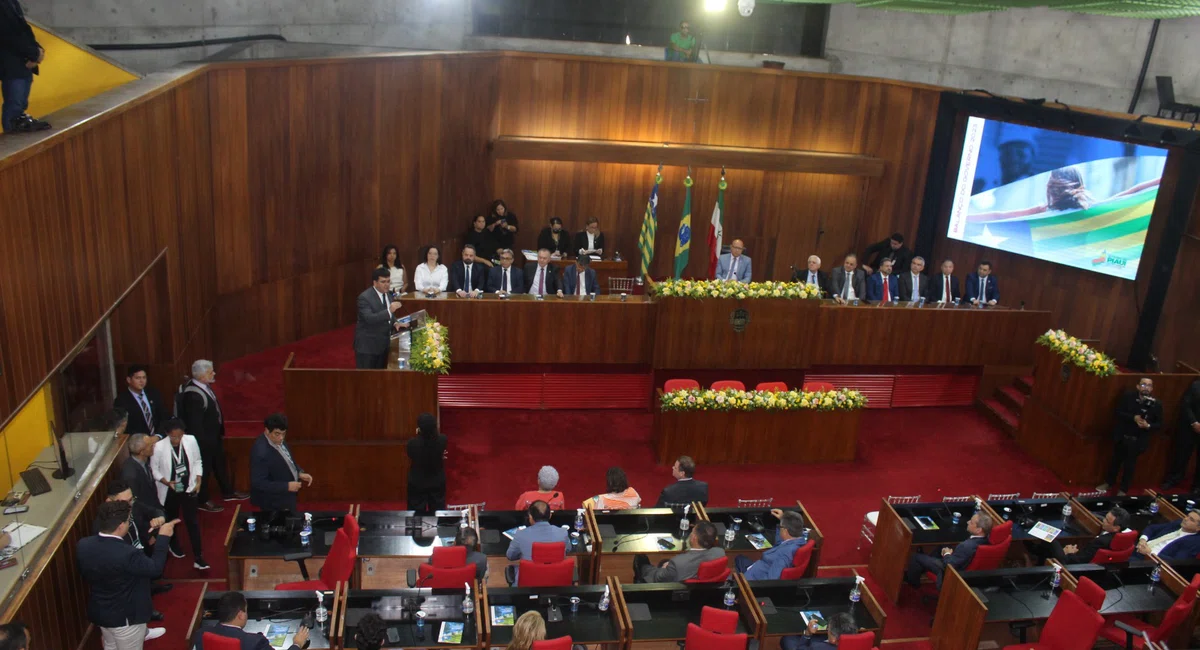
[177, 471]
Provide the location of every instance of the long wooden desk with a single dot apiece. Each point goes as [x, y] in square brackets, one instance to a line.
[683, 333]
[256, 560]
[724, 518]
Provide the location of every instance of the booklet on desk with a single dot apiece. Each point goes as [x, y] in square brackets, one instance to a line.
[1044, 532]
[512, 531]
[758, 541]
[22, 534]
[926, 523]
[504, 615]
[451, 632]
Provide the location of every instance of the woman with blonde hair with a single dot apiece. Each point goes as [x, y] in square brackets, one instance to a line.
[529, 627]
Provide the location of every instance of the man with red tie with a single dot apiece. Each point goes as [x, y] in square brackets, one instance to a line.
[943, 288]
[883, 286]
[543, 280]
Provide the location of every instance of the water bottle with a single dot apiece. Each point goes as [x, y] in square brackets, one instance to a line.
[804, 536]
[730, 535]
[856, 591]
[306, 531]
[1066, 511]
[1154, 507]
[1057, 579]
[604, 600]
[684, 525]
[978, 505]
[921, 302]
[321, 614]
[468, 602]
[1155, 576]
[730, 598]
[462, 523]
[421, 622]
[579, 521]
[855, 303]
[574, 604]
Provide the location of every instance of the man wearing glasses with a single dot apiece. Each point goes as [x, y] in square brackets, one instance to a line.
[275, 478]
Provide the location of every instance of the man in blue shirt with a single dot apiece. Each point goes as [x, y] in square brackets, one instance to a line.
[539, 530]
[774, 560]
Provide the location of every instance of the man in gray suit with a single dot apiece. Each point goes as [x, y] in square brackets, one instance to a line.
[702, 547]
[372, 334]
[733, 265]
[538, 530]
[849, 283]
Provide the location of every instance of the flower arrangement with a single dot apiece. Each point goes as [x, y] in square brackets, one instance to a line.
[1078, 353]
[430, 351]
[734, 289]
[731, 399]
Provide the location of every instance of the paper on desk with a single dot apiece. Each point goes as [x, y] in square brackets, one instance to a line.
[22, 534]
[529, 255]
[1044, 532]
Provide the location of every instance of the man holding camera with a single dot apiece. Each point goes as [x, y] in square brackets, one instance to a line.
[1138, 415]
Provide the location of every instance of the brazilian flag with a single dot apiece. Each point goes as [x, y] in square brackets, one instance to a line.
[683, 241]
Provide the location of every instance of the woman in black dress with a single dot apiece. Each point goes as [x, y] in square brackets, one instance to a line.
[427, 472]
[502, 223]
[554, 239]
[482, 239]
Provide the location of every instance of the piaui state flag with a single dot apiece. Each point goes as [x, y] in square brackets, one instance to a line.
[683, 241]
[649, 226]
[716, 229]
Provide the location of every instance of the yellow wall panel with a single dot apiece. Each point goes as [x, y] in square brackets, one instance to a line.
[24, 438]
[70, 74]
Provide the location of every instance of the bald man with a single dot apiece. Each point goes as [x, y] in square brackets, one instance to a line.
[734, 265]
[813, 275]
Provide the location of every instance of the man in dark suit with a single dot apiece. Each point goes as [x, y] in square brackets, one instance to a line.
[685, 489]
[571, 285]
[143, 528]
[202, 418]
[849, 282]
[20, 55]
[1138, 415]
[505, 278]
[1171, 541]
[981, 285]
[882, 286]
[944, 287]
[118, 577]
[813, 275]
[839, 624]
[979, 527]
[543, 280]
[275, 478]
[135, 474]
[589, 241]
[232, 617]
[373, 332]
[1115, 521]
[143, 403]
[914, 285]
[1186, 438]
[701, 547]
[467, 277]
[892, 249]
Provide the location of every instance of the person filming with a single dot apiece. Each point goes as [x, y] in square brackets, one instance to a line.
[1138, 415]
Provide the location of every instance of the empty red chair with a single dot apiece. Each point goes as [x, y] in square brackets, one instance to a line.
[350, 525]
[799, 562]
[1120, 550]
[1091, 593]
[339, 564]
[217, 642]
[814, 386]
[772, 386]
[860, 641]
[699, 638]
[444, 578]
[449, 557]
[680, 384]
[561, 643]
[556, 574]
[712, 571]
[1000, 533]
[728, 383]
[548, 552]
[1170, 621]
[1073, 625]
[721, 621]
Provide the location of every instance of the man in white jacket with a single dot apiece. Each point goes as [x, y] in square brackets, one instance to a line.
[179, 471]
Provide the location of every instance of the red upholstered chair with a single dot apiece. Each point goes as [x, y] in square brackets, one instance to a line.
[350, 525]
[1000, 533]
[728, 383]
[773, 386]
[217, 642]
[448, 557]
[680, 384]
[548, 552]
[799, 562]
[699, 638]
[444, 578]
[860, 641]
[1120, 550]
[712, 571]
[1091, 593]
[1073, 625]
[339, 564]
[813, 386]
[989, 556]
[561, 643]
[1124, 627]
[556, 574]
[721, 621]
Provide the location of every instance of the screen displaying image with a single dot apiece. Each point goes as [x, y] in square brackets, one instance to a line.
[1076, 200]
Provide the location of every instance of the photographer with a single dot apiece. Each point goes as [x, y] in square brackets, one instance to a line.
[1138, 415]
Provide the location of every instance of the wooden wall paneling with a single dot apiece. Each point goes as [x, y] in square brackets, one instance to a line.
[234, 251]
[1176, 340]
[191, 249]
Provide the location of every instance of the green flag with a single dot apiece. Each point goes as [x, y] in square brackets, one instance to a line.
[649, 226]
[683, 241]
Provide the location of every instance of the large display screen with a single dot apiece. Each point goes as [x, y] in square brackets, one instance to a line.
[1072, 199]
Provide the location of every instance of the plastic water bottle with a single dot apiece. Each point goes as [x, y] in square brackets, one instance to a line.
[306, 531]
[322, 614]
[1154, 507]
[604, 600]
[978, 505]
[1057, 579]
[579, 521]
[468, 602]
[856, 591]
[1155, 576]
[730, 598]
[684, 526]
[730, 534]
[1066, 511]
[462, 523]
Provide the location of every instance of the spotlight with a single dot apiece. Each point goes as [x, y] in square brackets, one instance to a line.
[714, 5]
[627, 41]
[745, 8]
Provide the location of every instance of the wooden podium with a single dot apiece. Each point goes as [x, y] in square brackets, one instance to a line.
[1067, 422]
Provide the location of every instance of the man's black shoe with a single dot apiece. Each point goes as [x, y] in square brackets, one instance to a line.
[156, 615]
[28, 124]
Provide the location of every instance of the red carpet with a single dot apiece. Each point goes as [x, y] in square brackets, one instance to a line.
[495, 455]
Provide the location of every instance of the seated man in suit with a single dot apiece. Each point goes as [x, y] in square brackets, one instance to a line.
[685, 489]
[543, 280]
[981, 285]
[702, 547]
[143, 403]
[505, 278]
[1171, 541]
[538, 530]
[232, 618]
[779, 557]
[848, 283]
[979, 527]
[467, 278]
[839, 624]
[571, 285]
[944, 288]
[469, 538]
[275, 478]
[1115, 521]
[814, 275]
[882, 286]
[733, 265]
[914, 285]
